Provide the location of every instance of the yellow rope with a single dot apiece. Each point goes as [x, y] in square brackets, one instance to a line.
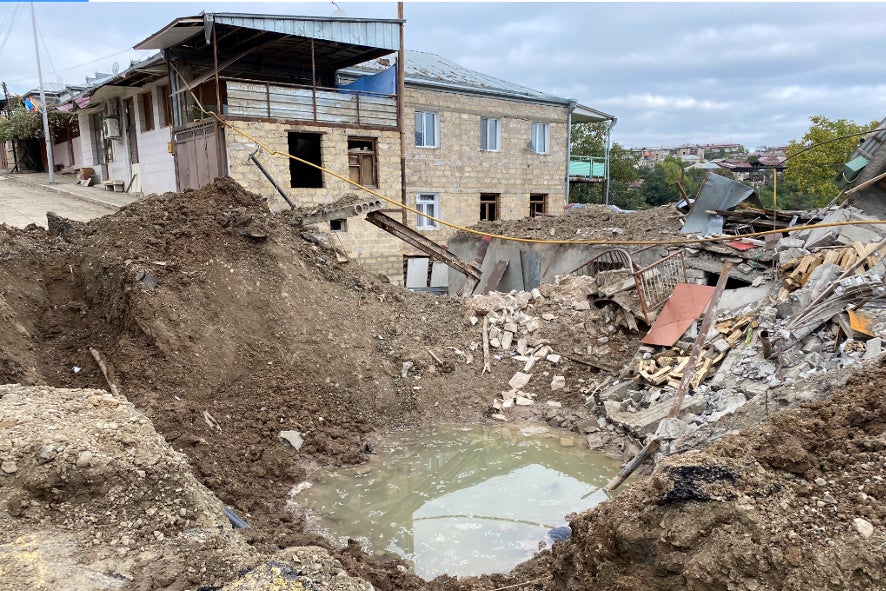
[457, 227]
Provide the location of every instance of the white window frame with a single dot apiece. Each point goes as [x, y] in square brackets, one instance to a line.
[490, 127]
[435, 139]
[428, 204]
[540, 138]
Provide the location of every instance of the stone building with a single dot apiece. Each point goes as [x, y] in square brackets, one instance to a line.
[325, 91]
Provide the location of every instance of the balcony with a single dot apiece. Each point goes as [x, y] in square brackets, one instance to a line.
[588, 169]
[249, 98]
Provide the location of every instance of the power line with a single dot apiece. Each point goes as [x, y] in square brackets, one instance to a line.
[77, 66]
[11, 17]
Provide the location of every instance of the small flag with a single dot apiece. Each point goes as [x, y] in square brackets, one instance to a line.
[31, 106]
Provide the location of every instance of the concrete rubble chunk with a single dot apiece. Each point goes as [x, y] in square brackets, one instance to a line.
[553, 358]
[673, 429]
[507, 339]
[873, 348]
[863, 527]
[84, 459]
[293, 438]
[9, 467]
[558, 383]
[582, 304]
[523, 401]
[519, 380]
[498, 417]
[788, 243]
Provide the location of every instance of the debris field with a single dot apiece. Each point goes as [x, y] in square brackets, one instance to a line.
[240, 354]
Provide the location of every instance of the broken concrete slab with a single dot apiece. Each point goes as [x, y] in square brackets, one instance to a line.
[827, 236]
[737, 299]
[293, 438]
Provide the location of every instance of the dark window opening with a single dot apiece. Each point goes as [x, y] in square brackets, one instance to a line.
[147, 111]
[538, 204]
[362, 163]
[338, 225]
[307, 147]
[166, 99]
[731, 283]
[489, 206]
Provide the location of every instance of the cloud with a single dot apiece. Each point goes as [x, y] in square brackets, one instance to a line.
[659, 102]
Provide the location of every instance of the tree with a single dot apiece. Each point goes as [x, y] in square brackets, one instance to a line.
[21, 124]
[816, 159]
[660, 183]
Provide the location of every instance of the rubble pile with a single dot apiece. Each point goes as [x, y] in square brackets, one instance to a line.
[536, 331]
[824, 313]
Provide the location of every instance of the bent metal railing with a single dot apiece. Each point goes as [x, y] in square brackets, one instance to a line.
[654, 282]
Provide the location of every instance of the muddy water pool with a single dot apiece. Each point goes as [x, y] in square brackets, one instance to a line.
[459, 500]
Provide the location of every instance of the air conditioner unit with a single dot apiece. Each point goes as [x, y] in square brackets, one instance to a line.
[110, 128]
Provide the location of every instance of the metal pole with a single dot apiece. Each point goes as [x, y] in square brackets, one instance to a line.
[608, 148]
[49, 161]
[401, 110]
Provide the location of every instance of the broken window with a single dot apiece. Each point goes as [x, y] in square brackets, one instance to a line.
[426, 129]
[429, 205]
[541, 137]
[362, 163]
[490, 134]
[538, 204]
[489, 206]
[338, 225]
[307, 147]
[147, 111]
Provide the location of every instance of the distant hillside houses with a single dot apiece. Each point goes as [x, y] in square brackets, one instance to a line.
[745, 165]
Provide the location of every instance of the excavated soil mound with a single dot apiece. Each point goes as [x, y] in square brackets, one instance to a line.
[93, 498]
[797, 504]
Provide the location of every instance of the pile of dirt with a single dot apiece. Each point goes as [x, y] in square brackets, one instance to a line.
[796, 504]
[93, 498]
[593, 222]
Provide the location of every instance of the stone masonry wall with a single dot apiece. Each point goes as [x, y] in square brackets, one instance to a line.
[459, 171]
[372, 247]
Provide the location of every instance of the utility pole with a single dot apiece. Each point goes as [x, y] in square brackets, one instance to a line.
[14, 152]
[49, 162]
[401, 110]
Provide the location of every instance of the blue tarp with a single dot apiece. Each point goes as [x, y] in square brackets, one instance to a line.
[385, 82]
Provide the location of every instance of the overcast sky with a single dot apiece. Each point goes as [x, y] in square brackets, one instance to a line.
[672, 73]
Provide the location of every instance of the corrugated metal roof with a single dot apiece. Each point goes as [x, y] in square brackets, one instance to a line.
[379, 33]
[383, 33]
[429, 69]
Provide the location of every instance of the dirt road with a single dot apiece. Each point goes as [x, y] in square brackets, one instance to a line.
[22, 204]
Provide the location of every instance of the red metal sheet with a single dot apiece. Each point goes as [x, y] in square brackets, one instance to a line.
[685, 305]
[740, 245]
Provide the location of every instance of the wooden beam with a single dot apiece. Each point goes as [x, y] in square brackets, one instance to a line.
[424, 244]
